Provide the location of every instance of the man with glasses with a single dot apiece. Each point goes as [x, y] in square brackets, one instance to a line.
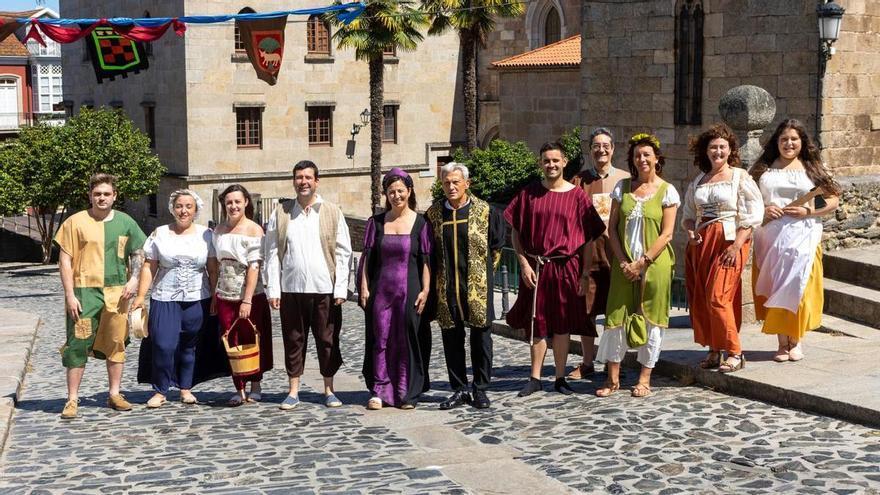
[597, 181]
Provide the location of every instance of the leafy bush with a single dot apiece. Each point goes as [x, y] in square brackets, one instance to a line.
[497, 172]
[571, 144]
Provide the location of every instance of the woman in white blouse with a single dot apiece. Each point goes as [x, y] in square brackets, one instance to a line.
[787, 270]
[721, 207]
[240, 295]
[180, 257]
[640, 229]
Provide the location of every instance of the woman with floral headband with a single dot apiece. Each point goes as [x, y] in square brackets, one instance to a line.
[642, 221]
[394, 280]
[179, 269]
[787, 270]
[721, 207]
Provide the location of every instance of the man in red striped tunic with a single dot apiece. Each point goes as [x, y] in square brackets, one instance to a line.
[553, 221]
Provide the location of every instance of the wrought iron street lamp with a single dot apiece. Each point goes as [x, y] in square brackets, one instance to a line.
[355, 129]
[830, 16]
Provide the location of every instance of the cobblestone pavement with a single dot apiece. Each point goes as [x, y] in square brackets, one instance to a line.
[680, 440]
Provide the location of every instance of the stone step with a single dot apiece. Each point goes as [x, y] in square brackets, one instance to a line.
[839, 326]
[859, 266]
[855, 303]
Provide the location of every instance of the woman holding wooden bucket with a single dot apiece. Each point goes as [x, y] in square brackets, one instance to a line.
[179, 256]
[242, 307]
[787, 270]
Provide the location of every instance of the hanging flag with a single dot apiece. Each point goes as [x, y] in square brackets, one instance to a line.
[264, 42]
[8, 25]
[113, 55]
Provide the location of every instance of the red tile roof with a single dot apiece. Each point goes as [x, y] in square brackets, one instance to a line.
[23, 13]
[565, 53]
[11, 47]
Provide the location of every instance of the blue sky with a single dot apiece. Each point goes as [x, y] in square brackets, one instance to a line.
[27, 4]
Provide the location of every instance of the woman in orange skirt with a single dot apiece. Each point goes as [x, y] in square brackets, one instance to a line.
[721, 207]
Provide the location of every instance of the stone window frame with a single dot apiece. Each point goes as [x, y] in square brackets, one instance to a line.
[318, 36]
[552, 14]
[239, 54]
[249, 125]
[393, 107]
[148, 46]
[320, 123]
[689, 52]
[536, 21]
[149, 108]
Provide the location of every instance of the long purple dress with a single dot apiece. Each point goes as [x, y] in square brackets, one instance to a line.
[395, 352]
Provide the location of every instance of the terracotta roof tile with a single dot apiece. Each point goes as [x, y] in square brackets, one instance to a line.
[15, 13]
[11, 47]
[565, 53]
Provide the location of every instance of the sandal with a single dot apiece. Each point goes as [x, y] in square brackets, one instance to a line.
[712, 361]
[739, 362]
[235, 401]
[641, 390]
[607, 389]
[189, 399]
[581, 371]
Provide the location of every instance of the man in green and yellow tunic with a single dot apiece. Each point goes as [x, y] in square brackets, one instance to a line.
[97, 248]
[468, 237]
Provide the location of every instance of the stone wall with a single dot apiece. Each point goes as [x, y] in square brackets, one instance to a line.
[628, 75]
[851, 93]
[538, 105]
[513, 37]
[857, 222]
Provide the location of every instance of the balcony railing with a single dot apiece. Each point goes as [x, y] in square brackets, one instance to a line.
[11, 122]
[15, 121]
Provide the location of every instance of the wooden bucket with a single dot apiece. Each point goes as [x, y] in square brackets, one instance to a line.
[244, 359]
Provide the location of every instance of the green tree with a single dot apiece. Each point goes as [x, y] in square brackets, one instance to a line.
[384, 25]
[498, 172]
[571, 145]
[50, 166]
[474, 20]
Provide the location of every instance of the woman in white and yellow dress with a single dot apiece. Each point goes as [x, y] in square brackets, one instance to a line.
[787, 269]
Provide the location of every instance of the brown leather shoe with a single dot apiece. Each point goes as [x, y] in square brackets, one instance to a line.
[117, 402]
[70, 407]
[581, 371]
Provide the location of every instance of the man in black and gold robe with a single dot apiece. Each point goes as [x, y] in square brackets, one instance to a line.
[468, 237]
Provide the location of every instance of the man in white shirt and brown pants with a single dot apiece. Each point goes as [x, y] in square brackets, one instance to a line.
[308, 249]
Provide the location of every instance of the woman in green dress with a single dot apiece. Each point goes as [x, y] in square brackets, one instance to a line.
[640, 229]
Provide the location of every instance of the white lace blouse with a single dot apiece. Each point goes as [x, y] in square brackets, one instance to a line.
[182, 258]
[234, 253]
[635, 220]
[736, 202]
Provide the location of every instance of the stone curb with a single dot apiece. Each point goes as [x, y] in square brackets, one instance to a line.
[18, 331]
[733, 385]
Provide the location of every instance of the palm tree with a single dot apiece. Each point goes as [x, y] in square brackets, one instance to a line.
[474, 20]
[384, 25]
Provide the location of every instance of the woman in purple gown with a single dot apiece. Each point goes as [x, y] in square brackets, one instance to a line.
[394, 278]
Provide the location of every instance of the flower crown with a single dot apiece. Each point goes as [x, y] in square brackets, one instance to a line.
[645, 137]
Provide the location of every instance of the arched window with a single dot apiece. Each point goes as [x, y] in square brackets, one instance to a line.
[318, 35]
[552, 26]
[689, 62]
[239, 44]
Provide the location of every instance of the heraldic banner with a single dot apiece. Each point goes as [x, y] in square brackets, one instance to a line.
[112, 55]
[263, 40]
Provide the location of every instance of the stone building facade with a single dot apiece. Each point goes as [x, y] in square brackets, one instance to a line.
[635, 78]
[199, 91]
[538, 97]
[544, 22]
